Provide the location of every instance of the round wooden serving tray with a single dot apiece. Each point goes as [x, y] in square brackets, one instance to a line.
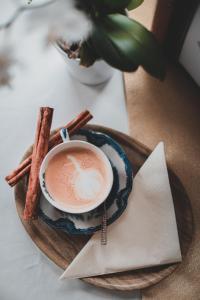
[62, 248]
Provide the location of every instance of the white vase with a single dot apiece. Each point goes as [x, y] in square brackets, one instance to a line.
[99, 72]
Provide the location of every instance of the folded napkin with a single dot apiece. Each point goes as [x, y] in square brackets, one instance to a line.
[145, 235]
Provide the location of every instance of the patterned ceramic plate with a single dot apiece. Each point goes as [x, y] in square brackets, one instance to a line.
[88, 223]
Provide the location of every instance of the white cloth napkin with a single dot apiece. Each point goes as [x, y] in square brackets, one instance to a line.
[145, 235]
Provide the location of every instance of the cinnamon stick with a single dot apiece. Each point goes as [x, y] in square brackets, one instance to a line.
[22, 166]
[13, 181]
[40, 149]
[81, 120]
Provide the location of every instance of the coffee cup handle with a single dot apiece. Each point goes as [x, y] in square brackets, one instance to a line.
[64, 135]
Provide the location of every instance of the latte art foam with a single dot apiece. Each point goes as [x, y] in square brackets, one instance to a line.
[87, 182]
[76, 177]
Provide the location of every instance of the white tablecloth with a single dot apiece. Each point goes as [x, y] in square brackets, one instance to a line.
[41, 78]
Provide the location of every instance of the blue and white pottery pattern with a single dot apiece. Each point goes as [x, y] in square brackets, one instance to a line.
[90, 222]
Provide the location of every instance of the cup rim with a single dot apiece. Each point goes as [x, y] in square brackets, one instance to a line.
[74, 209]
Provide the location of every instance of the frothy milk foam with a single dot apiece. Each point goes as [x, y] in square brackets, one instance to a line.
[76, 177]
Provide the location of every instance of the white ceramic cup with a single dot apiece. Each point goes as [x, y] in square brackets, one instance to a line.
[73, 144]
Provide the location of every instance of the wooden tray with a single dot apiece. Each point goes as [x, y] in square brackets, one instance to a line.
[62, 248]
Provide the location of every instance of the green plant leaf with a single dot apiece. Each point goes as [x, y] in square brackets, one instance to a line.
[134, 4]
[111, 5]
[87, 54]
[133, 43]
[108, 51]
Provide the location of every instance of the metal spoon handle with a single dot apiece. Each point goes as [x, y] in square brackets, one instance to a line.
[104, 226]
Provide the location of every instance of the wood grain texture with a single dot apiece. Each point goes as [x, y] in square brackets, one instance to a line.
[62, 248]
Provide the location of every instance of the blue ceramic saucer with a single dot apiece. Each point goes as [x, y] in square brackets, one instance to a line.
[90, 222]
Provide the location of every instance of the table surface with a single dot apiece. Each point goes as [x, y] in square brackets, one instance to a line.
[157, 111]
[40, 78]
[170, 111]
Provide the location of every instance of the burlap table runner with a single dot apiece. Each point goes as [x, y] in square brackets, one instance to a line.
[170, 111]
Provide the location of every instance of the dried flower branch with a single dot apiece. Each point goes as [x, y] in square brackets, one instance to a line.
[64, 19]
[20, 10]
[5, 63]
[60, 18]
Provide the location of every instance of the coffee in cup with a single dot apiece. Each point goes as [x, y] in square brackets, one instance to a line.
[78, 176]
